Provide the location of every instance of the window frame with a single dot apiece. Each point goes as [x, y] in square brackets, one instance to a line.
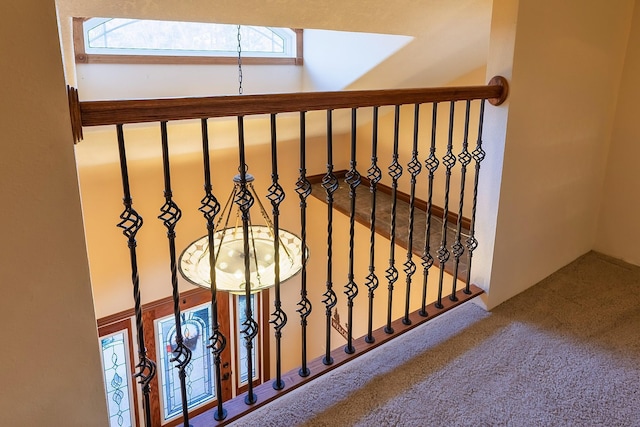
[82, 57]
[105, 330]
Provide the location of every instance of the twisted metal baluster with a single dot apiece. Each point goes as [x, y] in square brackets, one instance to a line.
[303, 188]
[395, 171]
[449, 160]
[464, 158]
[170, 215]
[352, 178]
[130, 223]
[276, 196]
[414, 167]
[431, 163]
[210, 208]
[244, 199]
[330, 184]
[478, 156]
[374, 174]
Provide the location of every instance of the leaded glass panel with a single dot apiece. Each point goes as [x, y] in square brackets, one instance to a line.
[196, 329]
[244, 377]
[173, 37]
[117, 379]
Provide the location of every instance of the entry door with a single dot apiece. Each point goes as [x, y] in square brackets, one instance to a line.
[197, 328]
[119, 353]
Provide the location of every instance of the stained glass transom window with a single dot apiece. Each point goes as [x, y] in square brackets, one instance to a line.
[117, 379]
[196, 330]
[148, 37]
[244, 377]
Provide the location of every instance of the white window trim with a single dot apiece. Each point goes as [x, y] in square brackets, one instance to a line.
[139, 56]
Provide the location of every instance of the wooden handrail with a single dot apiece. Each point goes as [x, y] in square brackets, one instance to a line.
[98, 113]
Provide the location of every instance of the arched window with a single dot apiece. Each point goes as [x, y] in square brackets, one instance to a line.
[117, 40]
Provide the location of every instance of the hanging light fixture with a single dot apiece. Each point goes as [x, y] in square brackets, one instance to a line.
[194, 262]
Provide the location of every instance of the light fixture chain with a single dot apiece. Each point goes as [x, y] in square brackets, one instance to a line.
[239, 62]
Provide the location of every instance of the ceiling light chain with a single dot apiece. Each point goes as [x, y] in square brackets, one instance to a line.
[239, 62]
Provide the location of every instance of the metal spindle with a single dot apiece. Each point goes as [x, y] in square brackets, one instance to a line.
[244, 199]
[374, 174]
[431, 163]
[464, 158]
[414, 167]
[330, 184]
[395, 171]
[449, 160]
[130, 223]
[352, 178]
[170, 215]
[210, 208]
[303, 188]
[478, 156]
[276, 196]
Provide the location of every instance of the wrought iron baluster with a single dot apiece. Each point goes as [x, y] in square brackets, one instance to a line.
[395, 171]
[431, 163]
[464, 158]
[352, 178]
[130, 223]
[374, 174]
[244, 199]
[414, 167]
[449, 160]
[478, 156]
[170, 215]
[210, 208]
[330, 184]
[303, 188]
[276, 196]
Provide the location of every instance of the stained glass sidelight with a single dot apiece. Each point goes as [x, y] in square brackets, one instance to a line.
[196, 328]
[117, 379]
[244, 377]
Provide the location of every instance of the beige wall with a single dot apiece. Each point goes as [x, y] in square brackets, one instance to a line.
[50, 370]
[101, 188]
[567, 64]
[618, 231]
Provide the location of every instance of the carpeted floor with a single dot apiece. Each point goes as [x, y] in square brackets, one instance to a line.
[564, 353]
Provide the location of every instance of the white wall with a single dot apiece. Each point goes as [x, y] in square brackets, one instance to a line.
[50, 370]
[133, 81]
[564, 85]
[335, 59]
[619, 229]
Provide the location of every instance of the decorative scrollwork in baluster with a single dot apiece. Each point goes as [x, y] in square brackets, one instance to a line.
[250, 329]
[478, 156]
[276, 196]
[210, 208]
[353, 180]
[303, 189]
[170, 214]
[330, 185]
[130, 223]
[431, 164]
[374, 175]
[414, 167]
[244, 200]
[449, 160]
[395, 172]
[464, 158]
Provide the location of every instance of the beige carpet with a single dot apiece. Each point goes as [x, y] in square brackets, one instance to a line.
[564, 353]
